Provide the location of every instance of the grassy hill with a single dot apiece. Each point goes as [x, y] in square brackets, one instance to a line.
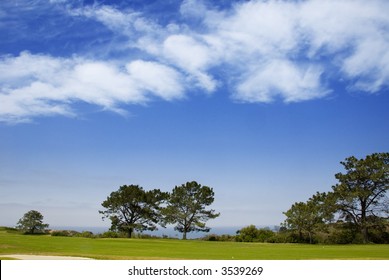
[12, 242]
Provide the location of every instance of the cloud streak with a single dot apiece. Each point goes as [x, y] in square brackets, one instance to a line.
[262, 50]
[34, 85]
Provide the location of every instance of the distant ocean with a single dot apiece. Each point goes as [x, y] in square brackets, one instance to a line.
[169, 231]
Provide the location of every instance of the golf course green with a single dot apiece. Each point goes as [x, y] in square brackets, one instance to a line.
[13, 242]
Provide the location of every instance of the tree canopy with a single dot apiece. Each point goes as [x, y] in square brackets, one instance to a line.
[186, 207]
[32, 222]
[361, 191]
[309, 216]
[359, 201]
[132, 208]
[252, 234]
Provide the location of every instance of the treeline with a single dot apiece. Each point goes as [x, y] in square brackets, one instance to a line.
[336, 233]
[107, 234]
[132, 209]
[356, 210]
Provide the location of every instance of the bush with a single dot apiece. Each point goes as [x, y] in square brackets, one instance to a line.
[283, 237]
[72, 233]
[11, 230]
[109, 234]
[252, 234]
[65, 233]
[379, 237]
[145, 236]
[221, 238]
[247, 234]
[379, 233]
[344, 233]
[86, 234]
[263, 235]
[60, 233]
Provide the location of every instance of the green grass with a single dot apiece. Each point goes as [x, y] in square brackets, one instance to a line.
[12, 242]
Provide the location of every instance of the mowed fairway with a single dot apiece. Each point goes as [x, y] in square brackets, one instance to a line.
[14, 243]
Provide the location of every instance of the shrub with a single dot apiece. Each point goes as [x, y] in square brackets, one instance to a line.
[66, 233]
[11, 230]
[263, 235]
[86, 234]
[60, 233]
[252, 234]
[343, 233]
[247, 234]
[109, 234]
[215, 237]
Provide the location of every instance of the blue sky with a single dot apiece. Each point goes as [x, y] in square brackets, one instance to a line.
[260, 100]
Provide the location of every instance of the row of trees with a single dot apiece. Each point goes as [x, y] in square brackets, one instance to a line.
[358, 204]
[131, 208]
[356, 208]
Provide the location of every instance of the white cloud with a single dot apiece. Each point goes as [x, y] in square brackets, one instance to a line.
[288, 48]
[186, 52]
[26, 67]
[182, 51]
[192, 56]
[355, 34]
[125, 22]
[109, 16]
[157, 79]
[102, 84]
[193, 9]
[262, 50]
[33, 85]
[260, 27]
[336, 25]
[369, 64]
[280, 78]
[260, 42]
[22, 104]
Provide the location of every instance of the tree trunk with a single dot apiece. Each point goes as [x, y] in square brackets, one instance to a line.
[129, 232]
[365, 234]
[184, 235]
[363, 222]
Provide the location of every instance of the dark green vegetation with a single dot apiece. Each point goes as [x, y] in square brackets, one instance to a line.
[131, 208]
[355, 211]
[186, 208]
[13, 242]
[32, 222]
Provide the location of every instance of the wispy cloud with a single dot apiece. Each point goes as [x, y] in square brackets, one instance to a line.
[34, 85]
[354, 36]
[263, 51]
[280, 78]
